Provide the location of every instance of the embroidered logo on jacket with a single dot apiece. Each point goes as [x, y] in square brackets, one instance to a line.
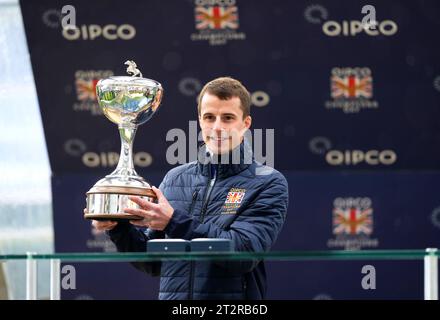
[233, 201]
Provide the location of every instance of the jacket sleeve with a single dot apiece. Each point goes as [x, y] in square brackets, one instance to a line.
[255, 229]
[129, 238]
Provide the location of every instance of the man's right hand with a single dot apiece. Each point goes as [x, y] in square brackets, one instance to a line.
[103, 225]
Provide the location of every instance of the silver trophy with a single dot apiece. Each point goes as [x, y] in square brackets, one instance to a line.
[128, 101]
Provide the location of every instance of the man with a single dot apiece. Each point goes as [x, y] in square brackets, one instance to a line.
[225, 194]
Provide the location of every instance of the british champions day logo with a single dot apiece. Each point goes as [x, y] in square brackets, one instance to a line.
[352, 222]
[85, 85]
[216, 21]
[233, 201]
[351, 90]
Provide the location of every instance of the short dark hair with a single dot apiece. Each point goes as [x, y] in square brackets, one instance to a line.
[225, 88]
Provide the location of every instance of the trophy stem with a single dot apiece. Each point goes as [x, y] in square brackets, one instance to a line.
[125, 168]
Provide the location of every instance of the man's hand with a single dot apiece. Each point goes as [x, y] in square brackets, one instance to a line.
[103, 225]
[156, 215]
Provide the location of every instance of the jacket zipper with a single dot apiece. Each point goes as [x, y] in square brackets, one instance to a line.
[191, 282]
[211, 183]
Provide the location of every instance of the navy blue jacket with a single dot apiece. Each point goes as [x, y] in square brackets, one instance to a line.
[245, 202]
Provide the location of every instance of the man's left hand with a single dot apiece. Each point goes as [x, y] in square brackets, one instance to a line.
[156, 215]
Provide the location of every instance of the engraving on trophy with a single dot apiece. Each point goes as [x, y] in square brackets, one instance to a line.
[127, 102]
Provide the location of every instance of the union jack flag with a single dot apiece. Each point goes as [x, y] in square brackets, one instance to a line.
[86, 89]
[352, 221]
[216, 17]
[235, 197]
[351, 87]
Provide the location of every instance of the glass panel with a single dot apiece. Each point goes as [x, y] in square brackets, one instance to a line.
[25, 198]
[275, 255]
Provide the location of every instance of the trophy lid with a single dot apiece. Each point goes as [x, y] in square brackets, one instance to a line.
[115, 82]
[135, 79]
[129, 99]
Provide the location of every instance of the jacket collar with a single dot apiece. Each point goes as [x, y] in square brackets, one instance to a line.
[227, 165]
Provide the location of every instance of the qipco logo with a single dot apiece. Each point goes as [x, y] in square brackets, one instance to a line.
[94, 31]
[354, 27]
[77, 148]
[355, 157]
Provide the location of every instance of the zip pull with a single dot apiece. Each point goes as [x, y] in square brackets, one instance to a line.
[193, 201]
[195, 193]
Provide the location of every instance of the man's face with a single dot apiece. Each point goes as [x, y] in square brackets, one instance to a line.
[222, 123]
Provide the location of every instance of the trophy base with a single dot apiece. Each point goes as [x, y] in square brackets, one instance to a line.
[109, 202]
[111, 217]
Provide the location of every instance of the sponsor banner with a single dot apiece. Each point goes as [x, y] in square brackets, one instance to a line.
[313, 70]
[356, 211]
[366, 210]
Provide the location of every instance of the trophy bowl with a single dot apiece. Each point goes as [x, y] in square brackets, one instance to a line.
[128, 101]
